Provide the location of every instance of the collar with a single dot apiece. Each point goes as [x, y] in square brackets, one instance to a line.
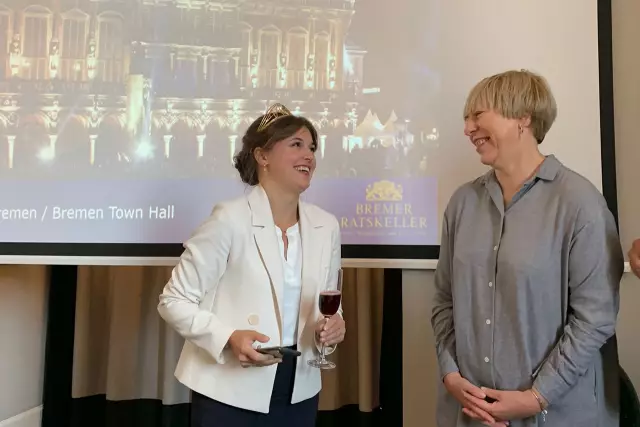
[549, 168]
[262, 216]
[548, 171]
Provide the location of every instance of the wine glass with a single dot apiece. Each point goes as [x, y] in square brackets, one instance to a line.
[329, 303]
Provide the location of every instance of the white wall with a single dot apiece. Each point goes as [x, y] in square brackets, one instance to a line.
[23, 306]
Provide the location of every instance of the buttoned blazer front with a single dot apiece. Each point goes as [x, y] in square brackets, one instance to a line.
[230, 277]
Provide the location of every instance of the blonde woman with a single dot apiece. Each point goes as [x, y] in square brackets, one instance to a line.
[527, 284]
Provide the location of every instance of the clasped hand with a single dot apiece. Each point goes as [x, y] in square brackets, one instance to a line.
[506, 405]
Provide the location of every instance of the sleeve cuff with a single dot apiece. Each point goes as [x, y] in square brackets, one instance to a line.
[220, 344]
[549, 384]
[447, 365]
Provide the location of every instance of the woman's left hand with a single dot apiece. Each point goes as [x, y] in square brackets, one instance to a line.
[331, 331]
[509, 405]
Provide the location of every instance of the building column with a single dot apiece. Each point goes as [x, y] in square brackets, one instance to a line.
[200, 145]
[338, 49]
[92, 149]
[205, 69]
[52, 143]
[167, 145]
[323, 143]
[11, 141]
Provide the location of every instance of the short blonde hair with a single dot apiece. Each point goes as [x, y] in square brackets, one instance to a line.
[515, 95]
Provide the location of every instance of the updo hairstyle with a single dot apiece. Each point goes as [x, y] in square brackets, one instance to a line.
[281, 127]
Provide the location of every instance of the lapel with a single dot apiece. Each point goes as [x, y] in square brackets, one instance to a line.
[264, 233]
[314, 252]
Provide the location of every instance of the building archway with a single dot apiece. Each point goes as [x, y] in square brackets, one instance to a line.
[32, 149]
[72, 147]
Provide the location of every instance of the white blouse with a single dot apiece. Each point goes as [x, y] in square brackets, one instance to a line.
[292, 269]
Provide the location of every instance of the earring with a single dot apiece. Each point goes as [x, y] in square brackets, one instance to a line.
[520, 130]
[265, 167]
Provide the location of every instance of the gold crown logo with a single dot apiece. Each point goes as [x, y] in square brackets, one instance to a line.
[272, 114]
[384, 191]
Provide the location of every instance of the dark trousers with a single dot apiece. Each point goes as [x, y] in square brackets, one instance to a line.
[206, 412]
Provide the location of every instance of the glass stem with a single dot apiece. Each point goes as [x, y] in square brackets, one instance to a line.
[322, 356]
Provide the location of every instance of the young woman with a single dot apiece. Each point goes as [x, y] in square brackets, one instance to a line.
[251, 275]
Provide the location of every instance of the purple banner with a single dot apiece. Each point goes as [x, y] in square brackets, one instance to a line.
[398, 211]
[370, 211]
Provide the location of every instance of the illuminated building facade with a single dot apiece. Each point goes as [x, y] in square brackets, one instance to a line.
[94, 83]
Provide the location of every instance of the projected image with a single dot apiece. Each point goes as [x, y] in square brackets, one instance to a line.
[112, 110]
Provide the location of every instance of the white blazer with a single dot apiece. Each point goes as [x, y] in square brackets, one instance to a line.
[230, 277]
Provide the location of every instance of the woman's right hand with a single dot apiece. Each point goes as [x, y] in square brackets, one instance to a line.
[241, 343]
[462, 389]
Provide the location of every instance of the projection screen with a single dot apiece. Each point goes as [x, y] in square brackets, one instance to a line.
[119, 119]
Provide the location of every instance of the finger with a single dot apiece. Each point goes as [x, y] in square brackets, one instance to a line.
[254, 356]
[333, 339]
[332, 342]
[481, 415]
[335, 325]
[267, 362]
[257, 336]
[321, 325]
[474, 391]
[469, 413]
[330, 335]
[474, 402]
[494, 394]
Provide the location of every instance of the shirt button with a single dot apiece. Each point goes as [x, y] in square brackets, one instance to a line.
[495, 248]
[486, 359]
[488, 321]
[490, 284]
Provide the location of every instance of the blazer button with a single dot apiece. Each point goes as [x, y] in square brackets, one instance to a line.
[254, 319]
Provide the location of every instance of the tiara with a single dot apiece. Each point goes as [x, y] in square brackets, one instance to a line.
[273, 113]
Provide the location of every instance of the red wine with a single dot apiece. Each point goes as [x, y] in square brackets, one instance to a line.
[329, 302]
